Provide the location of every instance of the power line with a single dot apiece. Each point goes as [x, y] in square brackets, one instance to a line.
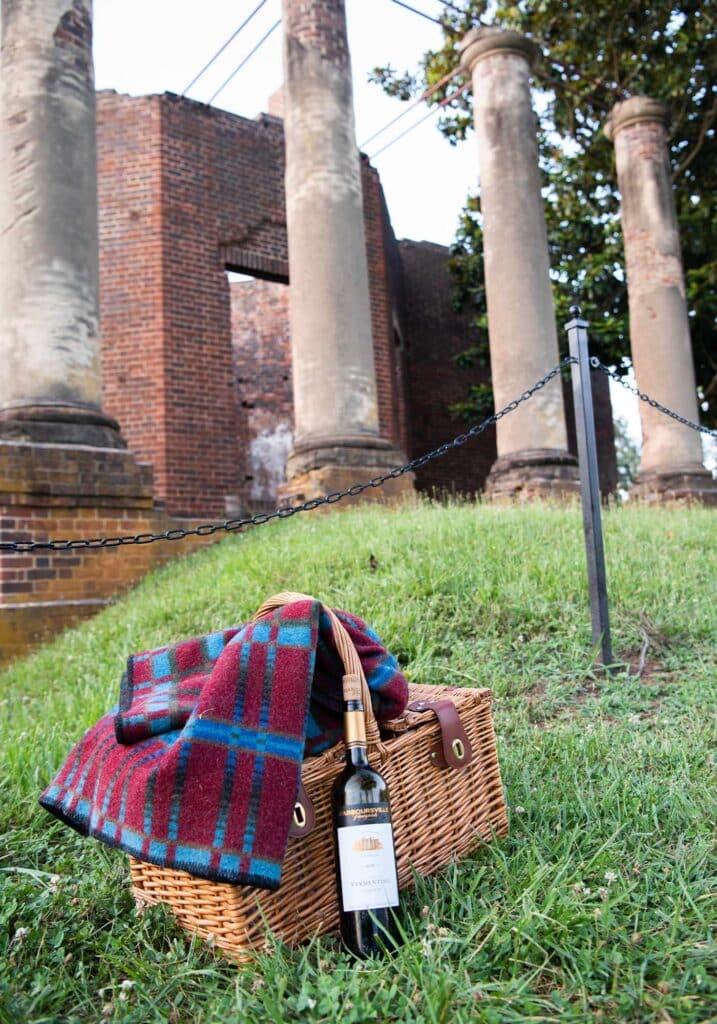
[453, 7]
[421, 98]
[248, 57]
[221, 50]
[414, 10]
[430, 113]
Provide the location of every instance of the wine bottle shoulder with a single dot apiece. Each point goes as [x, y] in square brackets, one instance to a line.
[360, 785]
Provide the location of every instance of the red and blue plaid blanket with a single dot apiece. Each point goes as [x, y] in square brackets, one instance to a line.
[199, 765]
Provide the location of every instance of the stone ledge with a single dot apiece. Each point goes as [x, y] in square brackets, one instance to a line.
[57, 474]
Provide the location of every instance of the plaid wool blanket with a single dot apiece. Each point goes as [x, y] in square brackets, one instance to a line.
[199, 765]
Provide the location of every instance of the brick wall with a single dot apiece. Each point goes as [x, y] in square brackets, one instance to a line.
[433, 335]
[186, 192]
[131, 274]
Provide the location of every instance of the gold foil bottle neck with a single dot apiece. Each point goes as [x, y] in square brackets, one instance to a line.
[355, 729]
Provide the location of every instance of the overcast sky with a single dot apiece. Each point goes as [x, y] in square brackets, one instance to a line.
[150, 46]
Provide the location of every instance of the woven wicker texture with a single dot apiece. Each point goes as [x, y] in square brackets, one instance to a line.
[439, 815]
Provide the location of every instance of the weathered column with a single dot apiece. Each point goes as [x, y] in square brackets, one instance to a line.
[335, 399]
[671, 463]
[533, 457]
[50, 385]
[63, 470]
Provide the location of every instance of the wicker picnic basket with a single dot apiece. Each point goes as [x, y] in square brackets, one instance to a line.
[446, 799]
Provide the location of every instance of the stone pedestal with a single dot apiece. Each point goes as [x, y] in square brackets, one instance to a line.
[50, 387]
[334, 379]
[315, 470]
[533, 473]
[533, 458]
[671, 464]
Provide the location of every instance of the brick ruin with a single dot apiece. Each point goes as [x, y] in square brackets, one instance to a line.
[142, 387]
[197, 367]
[188, 192]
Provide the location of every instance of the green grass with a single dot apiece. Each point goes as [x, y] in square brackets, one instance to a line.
[602, 903]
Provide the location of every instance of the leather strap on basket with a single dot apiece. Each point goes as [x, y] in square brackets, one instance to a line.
[304, 817]
[454, 750]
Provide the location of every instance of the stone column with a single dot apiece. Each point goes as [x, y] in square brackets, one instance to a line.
[671, 463]
[533, 457]
[50, 386]
[335, 400]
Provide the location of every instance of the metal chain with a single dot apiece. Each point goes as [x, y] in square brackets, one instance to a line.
[232, 525]
[597, 365]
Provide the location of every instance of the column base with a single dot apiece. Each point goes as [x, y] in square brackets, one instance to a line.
[534, 474]
[341, 450]
[318, 468]
[318, 482]
[56, 423]
[685, 484]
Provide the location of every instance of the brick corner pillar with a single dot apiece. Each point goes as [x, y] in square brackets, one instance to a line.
[337, 440]
[65, 472]
[51, 385]
[671, 463]
[533, 458]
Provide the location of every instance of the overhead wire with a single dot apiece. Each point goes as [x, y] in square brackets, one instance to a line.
[221, 50]
[430, 113]
[424, 96]
[248, 57]
[414, 10]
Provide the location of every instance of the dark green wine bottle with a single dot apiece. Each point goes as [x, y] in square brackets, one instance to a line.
[366, 873]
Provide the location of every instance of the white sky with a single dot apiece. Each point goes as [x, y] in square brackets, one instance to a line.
[150, 46]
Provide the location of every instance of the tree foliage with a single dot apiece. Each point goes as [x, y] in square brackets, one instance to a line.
[627, 454]
[594, 55]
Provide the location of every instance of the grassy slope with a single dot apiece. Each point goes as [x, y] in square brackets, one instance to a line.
[600, 905]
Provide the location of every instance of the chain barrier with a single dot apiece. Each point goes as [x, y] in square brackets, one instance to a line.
[597, 365]
[233, 525]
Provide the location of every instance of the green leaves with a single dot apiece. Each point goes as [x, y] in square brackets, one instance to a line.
[596, 54]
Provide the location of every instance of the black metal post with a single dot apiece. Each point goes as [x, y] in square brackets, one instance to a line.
[589, 483]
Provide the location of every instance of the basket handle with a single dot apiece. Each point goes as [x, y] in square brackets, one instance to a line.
[353, 670]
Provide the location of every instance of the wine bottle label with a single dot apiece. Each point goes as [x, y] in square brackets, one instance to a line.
[366, 858]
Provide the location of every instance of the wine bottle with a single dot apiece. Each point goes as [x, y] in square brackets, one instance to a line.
[366, 874]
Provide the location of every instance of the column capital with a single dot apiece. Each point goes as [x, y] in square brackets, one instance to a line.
[479, 43]
[636, 110]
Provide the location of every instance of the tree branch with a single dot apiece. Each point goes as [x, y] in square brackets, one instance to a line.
[705, 127]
